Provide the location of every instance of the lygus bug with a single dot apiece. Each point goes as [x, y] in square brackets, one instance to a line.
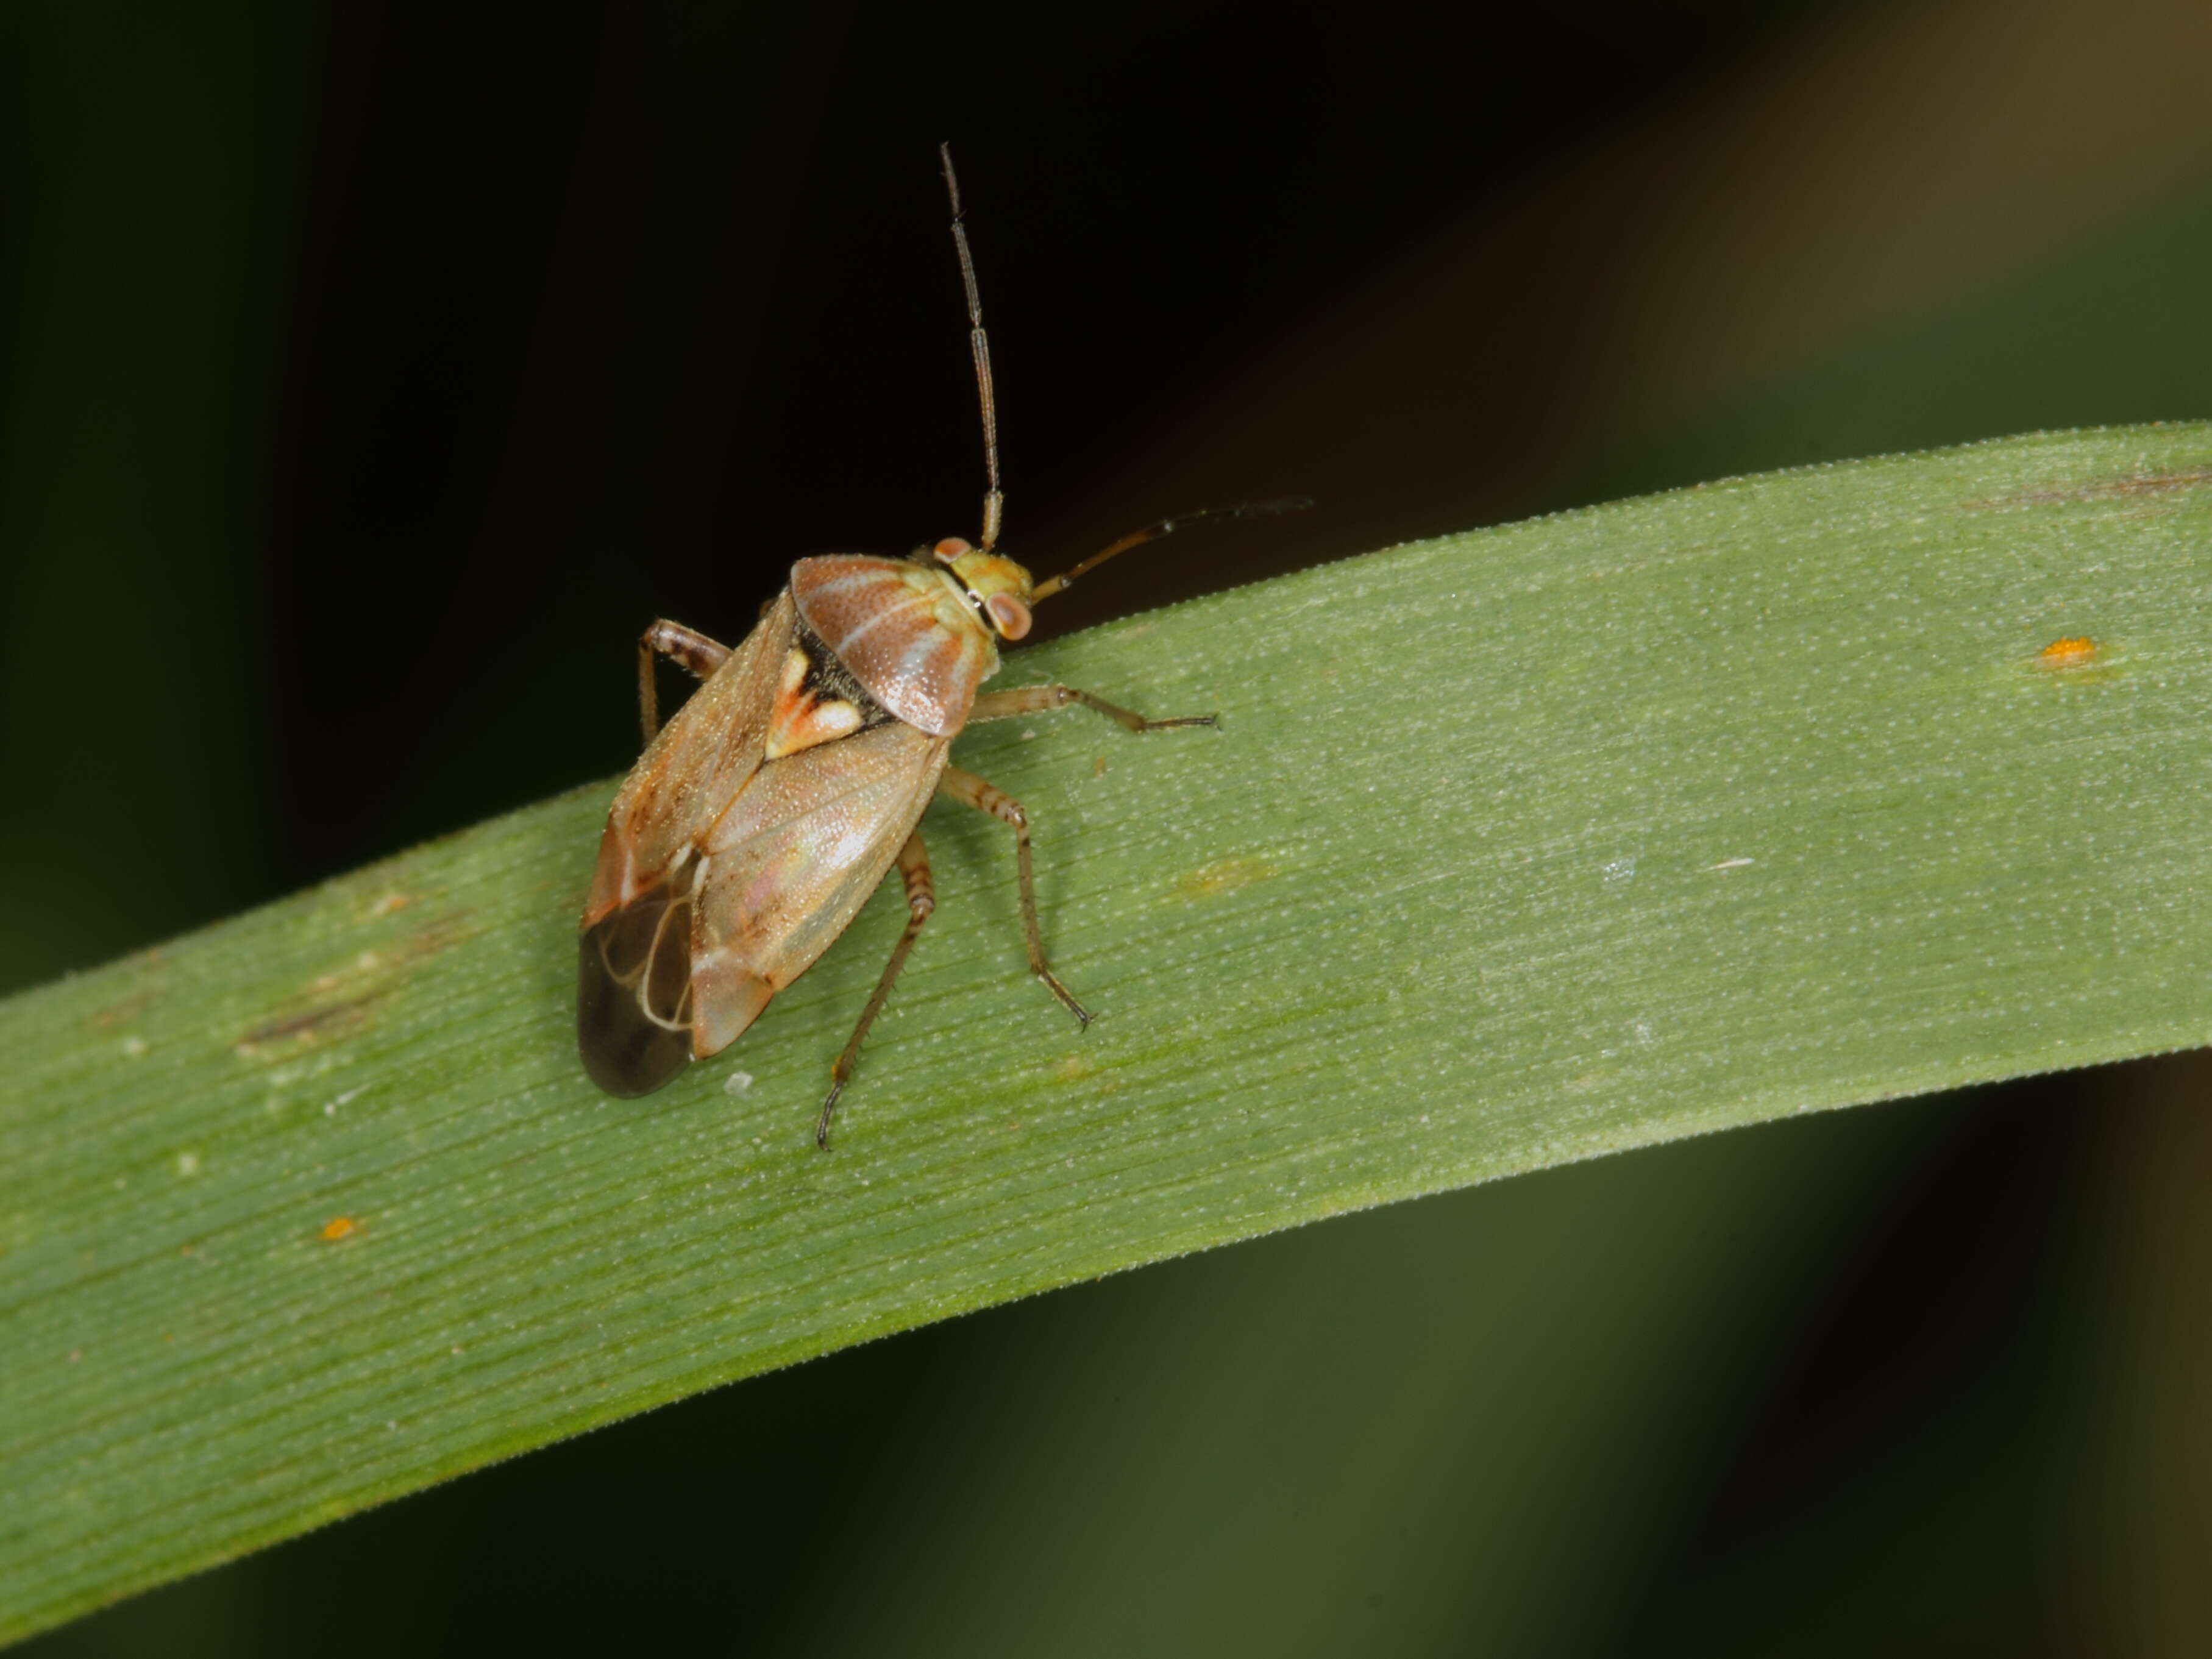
[759, 819]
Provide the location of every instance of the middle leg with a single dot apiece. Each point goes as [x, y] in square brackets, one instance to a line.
[971, 791]
[1033, 699]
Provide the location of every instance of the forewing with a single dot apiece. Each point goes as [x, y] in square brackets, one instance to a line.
[904, 629]
[702, 759]
[791, 862]
[724, 874]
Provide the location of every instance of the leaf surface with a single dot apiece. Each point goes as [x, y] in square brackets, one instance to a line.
[1512, 848]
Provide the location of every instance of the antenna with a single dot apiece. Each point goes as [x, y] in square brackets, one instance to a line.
[979, 344]
[1152, 533]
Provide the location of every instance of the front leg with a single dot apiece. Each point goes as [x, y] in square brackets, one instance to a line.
[971, 791]
[1033, 699]
[693, 650]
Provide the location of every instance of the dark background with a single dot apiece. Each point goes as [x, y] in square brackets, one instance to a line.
[374, 373]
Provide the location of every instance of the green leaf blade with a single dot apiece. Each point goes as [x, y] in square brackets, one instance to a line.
[1513, 848]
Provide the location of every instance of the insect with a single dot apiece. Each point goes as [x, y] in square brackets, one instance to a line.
[761, 816]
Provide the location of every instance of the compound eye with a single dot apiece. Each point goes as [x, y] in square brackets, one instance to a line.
[951, 548]
[1008, 615]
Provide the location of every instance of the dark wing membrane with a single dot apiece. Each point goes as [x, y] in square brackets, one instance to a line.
[634, 992]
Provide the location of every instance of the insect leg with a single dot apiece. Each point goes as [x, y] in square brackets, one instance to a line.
[971, 791]
[693, 650]
[1031, 699]
[921, 901]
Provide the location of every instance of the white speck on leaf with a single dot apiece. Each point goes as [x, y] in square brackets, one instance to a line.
[188, 1164]
[736, 1084]
[1618, 871]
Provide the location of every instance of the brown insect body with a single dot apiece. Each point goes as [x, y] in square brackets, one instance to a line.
[760, 818]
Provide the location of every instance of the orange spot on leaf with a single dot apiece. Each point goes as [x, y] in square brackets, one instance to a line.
[338, 1227]
[2071, 653]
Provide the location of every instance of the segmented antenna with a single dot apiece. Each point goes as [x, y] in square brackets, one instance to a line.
[979, 344]
[1152, 533]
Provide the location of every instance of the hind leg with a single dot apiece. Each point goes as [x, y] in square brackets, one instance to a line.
[920, 901]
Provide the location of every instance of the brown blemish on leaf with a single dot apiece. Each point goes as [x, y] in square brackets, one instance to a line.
[2137, 485]
[377, 966]
[442, 935]
[123, 1013]
[303, 1027]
